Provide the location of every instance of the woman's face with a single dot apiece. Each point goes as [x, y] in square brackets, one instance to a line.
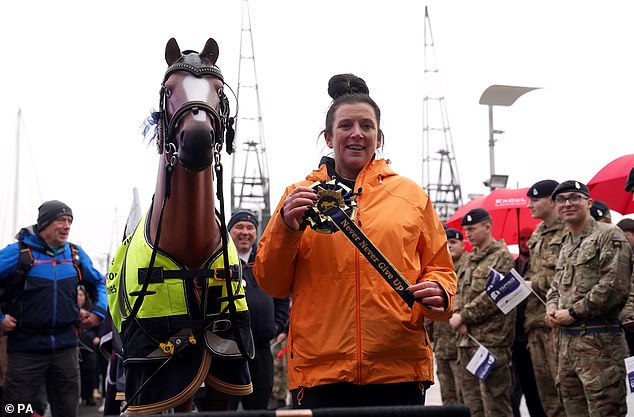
[81, 298]
[354, 138]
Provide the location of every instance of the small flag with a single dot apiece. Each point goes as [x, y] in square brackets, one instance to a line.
[134, 217]
[629, 372]
[506, 291]
[481, 363]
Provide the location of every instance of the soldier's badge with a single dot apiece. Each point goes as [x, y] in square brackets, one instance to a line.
[617, 243]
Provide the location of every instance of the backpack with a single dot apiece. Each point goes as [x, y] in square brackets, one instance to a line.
[13, 285]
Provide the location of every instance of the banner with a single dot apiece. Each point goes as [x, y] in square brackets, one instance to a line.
[481, 363]
[506, 291]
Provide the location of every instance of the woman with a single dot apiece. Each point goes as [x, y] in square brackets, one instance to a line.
[352, 339]
[89, 343]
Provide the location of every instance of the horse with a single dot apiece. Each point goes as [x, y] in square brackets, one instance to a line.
[175, 284]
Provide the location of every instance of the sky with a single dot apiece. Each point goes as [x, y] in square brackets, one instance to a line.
[86, 74]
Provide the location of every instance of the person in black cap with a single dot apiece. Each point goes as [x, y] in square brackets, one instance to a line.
[589, 290]
[444, 338]
[42, 271]
[478, 316]
[544, 245]
[600, 212]
[269, 315]
[455, 242]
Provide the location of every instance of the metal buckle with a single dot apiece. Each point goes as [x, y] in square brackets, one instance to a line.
[216, 326]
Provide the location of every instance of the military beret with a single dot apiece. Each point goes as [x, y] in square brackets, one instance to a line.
[475, 216]
[542, 189]
[599, 210]
[571, 186]
[627, 225]
[629, 184]
[454, 234]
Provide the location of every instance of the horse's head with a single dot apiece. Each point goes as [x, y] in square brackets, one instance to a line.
[194, 107]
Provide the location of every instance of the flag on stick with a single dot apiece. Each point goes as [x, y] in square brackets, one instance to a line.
[482, 362]
[506, 291]
[134, 217]
[629, 370]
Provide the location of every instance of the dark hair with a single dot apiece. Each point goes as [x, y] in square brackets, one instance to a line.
[88, 303]
[349, 89]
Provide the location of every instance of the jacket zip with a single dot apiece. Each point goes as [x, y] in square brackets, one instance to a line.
[357, 275]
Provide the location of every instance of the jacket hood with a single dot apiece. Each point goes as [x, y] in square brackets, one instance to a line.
[31, 238]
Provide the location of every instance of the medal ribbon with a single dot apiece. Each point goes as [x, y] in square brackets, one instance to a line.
[383, 266]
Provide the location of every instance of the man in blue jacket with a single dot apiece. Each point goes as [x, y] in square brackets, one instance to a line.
[40, 273]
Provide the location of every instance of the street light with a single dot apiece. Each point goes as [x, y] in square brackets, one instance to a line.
[499, 95]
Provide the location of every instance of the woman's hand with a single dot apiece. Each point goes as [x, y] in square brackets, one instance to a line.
[430, 294]
[296, 204]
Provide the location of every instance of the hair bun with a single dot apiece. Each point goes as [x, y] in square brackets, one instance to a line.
[344, 84]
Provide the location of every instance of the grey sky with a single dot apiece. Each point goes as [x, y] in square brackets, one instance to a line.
[86, 75]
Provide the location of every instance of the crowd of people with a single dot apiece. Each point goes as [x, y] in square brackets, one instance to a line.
[354, 340]
[564, 346]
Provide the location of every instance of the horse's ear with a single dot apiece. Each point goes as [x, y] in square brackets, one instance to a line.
[172, 51]
[211, 50]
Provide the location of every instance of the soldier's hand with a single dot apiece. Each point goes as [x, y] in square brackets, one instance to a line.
[563, 317]
[7, 324]
[455, 321]
[550, 320]
[463, 329]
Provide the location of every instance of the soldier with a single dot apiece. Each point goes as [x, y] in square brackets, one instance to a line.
[445, 348]
[588, 292]
[544, 245]
[477, 314]
[600, 212]
[627, 314]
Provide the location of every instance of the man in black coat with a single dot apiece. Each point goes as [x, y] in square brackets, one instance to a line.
[269, 316]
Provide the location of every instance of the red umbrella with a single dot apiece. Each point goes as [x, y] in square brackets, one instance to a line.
[608, 185]
[508, 209]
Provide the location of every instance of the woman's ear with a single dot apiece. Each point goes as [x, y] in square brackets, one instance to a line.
[328, 140]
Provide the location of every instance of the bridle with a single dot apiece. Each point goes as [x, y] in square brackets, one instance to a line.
[222, 123]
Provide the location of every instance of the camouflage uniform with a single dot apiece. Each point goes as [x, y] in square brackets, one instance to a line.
[280, 381]
[544, 244]
[490, 327]
[446, 354]
[593, 278]
[627, 314]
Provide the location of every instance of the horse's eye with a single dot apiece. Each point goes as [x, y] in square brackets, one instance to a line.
[167, 92]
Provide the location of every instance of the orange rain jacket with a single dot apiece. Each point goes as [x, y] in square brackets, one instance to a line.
[347, 323]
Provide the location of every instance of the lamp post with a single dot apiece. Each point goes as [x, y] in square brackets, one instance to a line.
[499, 95]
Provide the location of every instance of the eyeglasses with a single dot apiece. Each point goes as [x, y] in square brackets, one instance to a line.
[574, 199]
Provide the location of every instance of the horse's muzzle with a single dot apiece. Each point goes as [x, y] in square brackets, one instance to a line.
[195, 147]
